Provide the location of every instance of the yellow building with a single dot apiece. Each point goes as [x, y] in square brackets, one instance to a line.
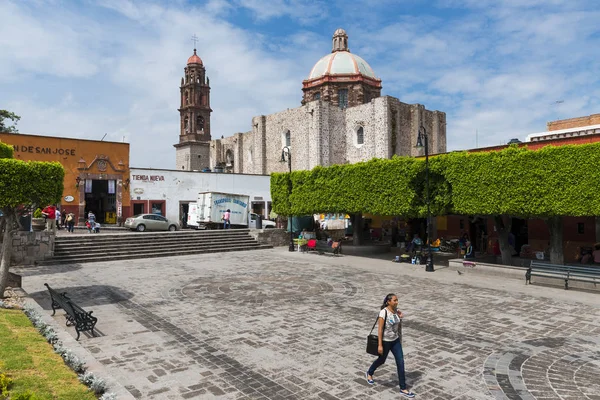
[96, 172]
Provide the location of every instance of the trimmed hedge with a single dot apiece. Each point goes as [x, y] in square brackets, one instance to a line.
[379, 186]
[30, 182]
[551, 181]
[6, 150]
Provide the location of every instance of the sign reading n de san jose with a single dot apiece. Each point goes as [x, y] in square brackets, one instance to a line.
[44, 150]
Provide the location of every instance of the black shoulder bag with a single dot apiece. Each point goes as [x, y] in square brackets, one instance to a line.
[373, 340]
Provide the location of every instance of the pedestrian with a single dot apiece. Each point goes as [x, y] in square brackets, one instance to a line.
[50, 213]
[469, 252]
[58, 215]
[92, 221]
[226, 219]
[70, 222]
[389, 331]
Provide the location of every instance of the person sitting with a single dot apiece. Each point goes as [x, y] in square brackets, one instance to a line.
[469, 251]
[415, 244]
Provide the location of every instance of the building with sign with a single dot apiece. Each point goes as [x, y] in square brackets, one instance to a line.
[96, 172]
[168, 192]
[343, 119]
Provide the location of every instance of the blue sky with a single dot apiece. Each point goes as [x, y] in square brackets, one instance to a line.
[496, 67]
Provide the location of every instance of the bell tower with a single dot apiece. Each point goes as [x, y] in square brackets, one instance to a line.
[192, 151]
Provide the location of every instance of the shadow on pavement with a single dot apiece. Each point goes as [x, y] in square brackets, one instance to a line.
[84, 296]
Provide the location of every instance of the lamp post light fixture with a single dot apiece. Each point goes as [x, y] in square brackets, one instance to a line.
[286, 156]
[423, 142]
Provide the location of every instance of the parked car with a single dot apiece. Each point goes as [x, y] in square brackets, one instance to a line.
[150, 222]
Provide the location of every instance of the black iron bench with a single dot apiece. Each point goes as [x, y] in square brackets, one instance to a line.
[323, 247]
[581, 273]
[76, 316]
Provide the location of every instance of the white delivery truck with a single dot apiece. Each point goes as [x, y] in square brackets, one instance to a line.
[207, 212]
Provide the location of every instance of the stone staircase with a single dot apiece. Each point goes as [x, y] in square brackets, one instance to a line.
[90, 247]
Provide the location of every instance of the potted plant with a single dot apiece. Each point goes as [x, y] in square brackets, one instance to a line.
[38, 222]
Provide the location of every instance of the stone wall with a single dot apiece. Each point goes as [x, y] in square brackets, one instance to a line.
[322, 134]
[274, 237]
[29, 247]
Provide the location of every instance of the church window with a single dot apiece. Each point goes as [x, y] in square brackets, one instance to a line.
[343, 98]
[229, 158]
[360, 136]
[288, 138]
[187, 97]
[318, 96]
[186, 124]
[199, 123]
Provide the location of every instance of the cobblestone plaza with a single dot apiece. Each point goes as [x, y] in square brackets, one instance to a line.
[270, 324]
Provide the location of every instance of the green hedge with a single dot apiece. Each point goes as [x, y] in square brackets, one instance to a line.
[6, 150]
[552, 181]
[30, 182]
[380, 186]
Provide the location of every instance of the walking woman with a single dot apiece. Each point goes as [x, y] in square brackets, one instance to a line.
[389, 340]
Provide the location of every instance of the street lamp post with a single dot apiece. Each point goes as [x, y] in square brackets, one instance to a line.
[422, 137]
[286, 155]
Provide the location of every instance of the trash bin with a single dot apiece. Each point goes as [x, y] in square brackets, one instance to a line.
[258, 221]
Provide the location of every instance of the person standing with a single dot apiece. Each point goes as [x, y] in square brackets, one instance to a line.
[50, 213]
[390, 319]
[226, 219]
[58, 215]
[70, 220]
[92, 221]
[469, 252]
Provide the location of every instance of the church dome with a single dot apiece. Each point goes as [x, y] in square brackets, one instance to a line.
[194, 59]
[341, 63]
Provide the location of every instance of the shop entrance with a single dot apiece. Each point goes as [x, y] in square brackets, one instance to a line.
[138, 208]
[100, 198]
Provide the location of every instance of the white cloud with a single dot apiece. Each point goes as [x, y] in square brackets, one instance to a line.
[115, 66]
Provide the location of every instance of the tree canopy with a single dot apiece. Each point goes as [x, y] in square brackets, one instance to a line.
[4, 115]
[551, 181]
[385, 187]
[23, 184]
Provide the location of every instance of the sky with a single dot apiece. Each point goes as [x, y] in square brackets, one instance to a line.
[499, 69]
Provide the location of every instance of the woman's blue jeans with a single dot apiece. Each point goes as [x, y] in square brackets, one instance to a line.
[396, 348]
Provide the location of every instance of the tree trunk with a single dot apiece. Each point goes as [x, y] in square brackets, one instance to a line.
[6, 250]
[503, 230]
[357, 231]
[555, 225]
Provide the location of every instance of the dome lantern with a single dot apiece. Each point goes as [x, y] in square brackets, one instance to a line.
[341, 75]
[340, 41]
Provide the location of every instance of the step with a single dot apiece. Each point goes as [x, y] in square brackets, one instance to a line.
[153, 243]
[104, 257]
[76, 236]
[121, 250]
[93, 238]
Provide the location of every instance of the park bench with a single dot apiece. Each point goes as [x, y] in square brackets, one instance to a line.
[581, 273]
[75, 315]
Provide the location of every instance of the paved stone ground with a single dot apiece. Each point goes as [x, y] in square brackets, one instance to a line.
[273, 325]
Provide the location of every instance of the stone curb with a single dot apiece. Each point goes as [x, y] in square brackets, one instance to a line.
[69, 342]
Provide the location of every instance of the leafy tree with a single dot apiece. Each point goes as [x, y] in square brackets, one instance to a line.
[4, 115]
[548, 183]
[23, 183]
[379, 186]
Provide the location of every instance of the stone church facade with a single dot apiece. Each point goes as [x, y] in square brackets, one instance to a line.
[343, 119]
